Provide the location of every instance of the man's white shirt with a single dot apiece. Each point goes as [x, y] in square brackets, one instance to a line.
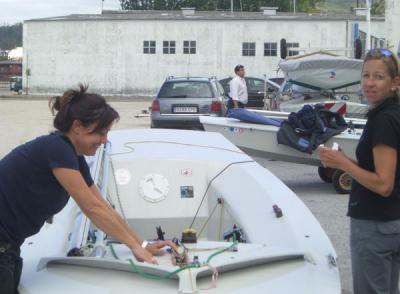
[238, 89]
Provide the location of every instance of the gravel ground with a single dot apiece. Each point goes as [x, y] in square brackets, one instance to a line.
[23, 118]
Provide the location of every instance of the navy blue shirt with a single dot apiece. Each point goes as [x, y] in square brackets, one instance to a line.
[29, 192]
[383, 127]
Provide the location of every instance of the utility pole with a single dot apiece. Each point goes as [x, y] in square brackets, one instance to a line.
[294, 6]
[368, 37]
[102, 2]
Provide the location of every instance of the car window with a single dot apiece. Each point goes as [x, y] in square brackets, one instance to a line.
[278, 81]
[220, 89]
[225, 84]
[187, 89]
[255, 85]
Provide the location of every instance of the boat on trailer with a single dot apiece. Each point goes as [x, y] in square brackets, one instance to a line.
[261, 141]
[249, 226]
[319, 78]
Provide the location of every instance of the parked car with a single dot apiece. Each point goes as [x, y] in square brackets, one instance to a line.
[15, 80]
[18, 86]
[255, 89]
[180, 102]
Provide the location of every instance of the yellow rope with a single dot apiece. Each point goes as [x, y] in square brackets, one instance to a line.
[207, 220]
[191, 281]
[221, 220]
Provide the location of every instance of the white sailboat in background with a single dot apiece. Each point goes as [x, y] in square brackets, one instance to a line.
[320, 78]
[261, 141]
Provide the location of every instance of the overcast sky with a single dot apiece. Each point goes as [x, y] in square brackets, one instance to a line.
[13, 11]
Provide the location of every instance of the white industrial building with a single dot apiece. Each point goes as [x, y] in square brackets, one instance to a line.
[132, 52]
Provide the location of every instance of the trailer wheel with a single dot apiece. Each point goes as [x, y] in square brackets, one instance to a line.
[342, 182]
[326, 173]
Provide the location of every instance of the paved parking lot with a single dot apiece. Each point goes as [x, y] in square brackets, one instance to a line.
[23, 118]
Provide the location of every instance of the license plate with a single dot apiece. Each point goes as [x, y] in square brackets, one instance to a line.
[185, 109]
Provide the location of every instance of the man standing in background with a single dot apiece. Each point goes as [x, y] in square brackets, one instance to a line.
[238, 89]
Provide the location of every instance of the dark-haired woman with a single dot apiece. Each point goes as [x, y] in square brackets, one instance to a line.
[374, 205]
[36, 179]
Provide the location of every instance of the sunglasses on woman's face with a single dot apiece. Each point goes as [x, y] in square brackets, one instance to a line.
[380, 52]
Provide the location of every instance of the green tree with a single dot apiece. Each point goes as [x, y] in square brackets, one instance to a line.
[11, 36]
[238, 5]
[378, 7]
[137, 4]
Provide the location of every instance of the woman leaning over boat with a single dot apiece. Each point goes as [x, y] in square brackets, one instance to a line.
[36, 179]
[374, 205]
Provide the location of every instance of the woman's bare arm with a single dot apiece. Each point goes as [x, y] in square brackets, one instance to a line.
[380, 181]
[154, 247]
[99, 212]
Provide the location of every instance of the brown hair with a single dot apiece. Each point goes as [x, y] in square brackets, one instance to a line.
[88, 108]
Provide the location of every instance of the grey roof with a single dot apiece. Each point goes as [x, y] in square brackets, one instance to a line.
[9, 62]
[183, 79]
[199, 15]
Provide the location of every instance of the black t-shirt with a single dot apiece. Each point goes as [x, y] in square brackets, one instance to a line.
[29, 192]
[383, 127]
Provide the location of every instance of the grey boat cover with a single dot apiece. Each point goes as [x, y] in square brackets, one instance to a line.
[322, 71]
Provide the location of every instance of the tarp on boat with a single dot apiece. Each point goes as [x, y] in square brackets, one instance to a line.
[322, 71]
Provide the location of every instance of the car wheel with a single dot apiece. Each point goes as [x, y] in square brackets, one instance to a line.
[342, 182]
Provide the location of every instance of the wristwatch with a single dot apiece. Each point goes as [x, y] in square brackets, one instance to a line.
[145, 243]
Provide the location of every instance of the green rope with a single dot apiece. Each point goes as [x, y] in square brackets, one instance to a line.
[221, 251]
[161, 277]
[137, 270]
[320, 89]
[113, 251]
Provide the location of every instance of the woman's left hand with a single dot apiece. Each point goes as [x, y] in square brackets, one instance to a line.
[332, 158]
[156, 248]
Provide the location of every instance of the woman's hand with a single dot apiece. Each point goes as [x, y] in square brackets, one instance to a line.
[144, 255]
[156, 247]
[332, 158]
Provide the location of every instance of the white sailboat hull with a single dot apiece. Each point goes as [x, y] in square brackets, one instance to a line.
[261, 141]
[166, 177]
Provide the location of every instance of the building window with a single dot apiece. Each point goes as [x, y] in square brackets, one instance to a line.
[292, 45]
[169, 47]
[149, 47]
[249, 49]
[270, 49]
[189, 47]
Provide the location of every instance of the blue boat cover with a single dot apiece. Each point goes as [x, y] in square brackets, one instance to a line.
[245, 115]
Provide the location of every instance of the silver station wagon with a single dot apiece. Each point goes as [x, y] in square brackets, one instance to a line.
[180, 102]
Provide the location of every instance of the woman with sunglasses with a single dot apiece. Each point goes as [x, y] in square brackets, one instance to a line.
[37, 178]
[374, 204]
